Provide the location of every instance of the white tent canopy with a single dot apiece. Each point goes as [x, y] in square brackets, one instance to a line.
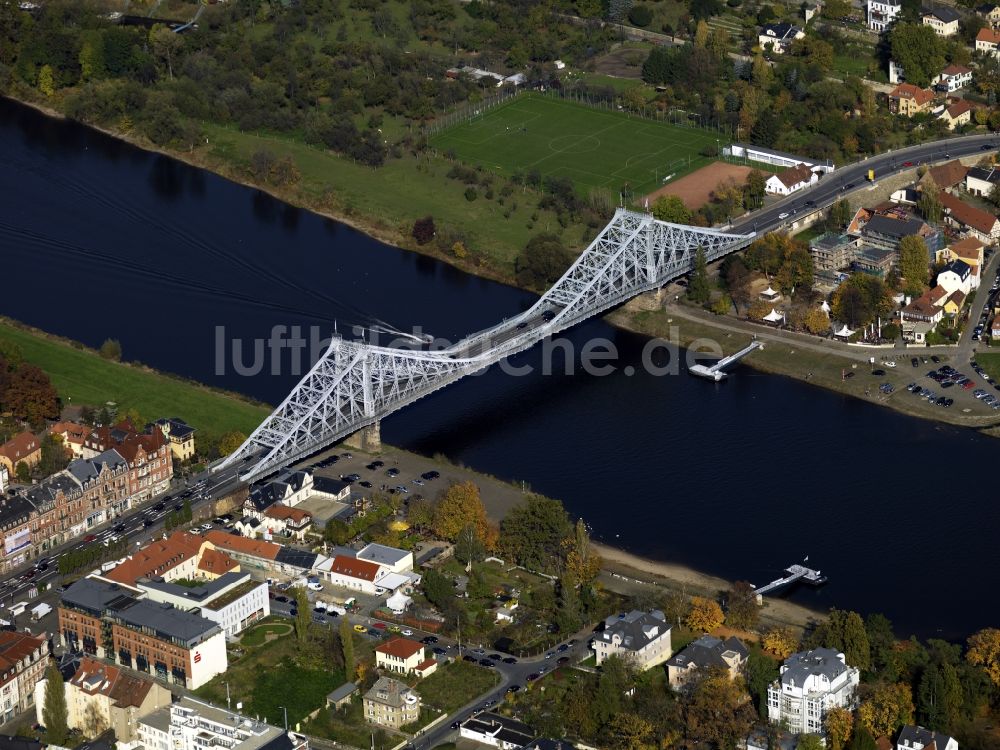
[845, 332]
[774, 316]
[769, 292]
[398, 602]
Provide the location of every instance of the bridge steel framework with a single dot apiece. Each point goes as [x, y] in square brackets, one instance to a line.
[355, 384]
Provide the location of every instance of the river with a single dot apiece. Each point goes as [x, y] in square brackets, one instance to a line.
[99, 239]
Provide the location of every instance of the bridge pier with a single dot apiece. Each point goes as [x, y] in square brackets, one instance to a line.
[654, 300]
[368, 439]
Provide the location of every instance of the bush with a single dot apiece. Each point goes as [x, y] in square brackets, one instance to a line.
[424, 230]
[471, 194]
[640, 16]
[111, 349]
[709, 150]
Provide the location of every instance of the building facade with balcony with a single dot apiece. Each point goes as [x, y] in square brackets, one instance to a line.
[22, 664]
[810, 684]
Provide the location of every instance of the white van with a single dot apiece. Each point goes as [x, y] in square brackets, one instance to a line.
[18, 609]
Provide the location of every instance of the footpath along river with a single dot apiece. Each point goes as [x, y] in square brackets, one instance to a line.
[100, 239]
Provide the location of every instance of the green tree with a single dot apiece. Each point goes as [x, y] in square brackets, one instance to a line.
[55, 715]
[165, 44]
[347, 645]
[857, 651]
[862, 740]
[838, 216]
[230, 442]
[111, 349]
[568, 611]
[55, 456]
[716, 711]
[929, 205]
[303, 615]
[468, 545]
[22, 472]
[939, 696]
[761, 671]
[543, 261]
[809, 742]
[913, 264]
[756, 189]
[533, 532]
[438, 588]
[742, 611]
[919, 50]
[699, 289]
[670, 208]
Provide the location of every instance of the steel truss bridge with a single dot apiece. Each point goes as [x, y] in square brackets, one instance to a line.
[355, 384]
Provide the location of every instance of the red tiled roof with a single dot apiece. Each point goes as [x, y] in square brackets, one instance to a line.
[948, 174]
[354, 568]
[286, 513]
[988, 35]
[955, 70]
[16, 646]
[20, 447]
[794, 175]
[959, 108]
[425, 664]
[970, 216]
[156, 558]
[71, 432]
[105, 438]
[216, 562]
[402, 648]
[909, 91]
[968, 247]
[123, 689]
[252, 547]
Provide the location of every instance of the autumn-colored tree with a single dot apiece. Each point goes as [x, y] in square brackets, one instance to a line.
[46, 80]
[166, 44]
[582, 563]
[460, 506]
[111, 349]
[888, 708]
[230, 442]
[839, 723]
[758, 309]
[984, 652]
[816, 321]
[30, 395]
[705, 615]
[628, 731]
[809, 742]
[717, 710]
[781, 642]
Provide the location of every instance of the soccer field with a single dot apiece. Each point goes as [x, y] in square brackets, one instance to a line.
[592, 147]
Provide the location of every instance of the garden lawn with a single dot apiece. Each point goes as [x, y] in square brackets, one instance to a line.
[453, 685]
[595, 148]
[81, 376]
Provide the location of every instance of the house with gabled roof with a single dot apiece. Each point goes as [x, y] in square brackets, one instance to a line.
[919, 738]
[947, 176]
[779, 36]
[942, 19]
[988, 41]
[908, 100]
[789, 180]
[957, 113]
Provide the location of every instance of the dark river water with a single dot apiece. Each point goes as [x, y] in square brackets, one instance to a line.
[99, 239]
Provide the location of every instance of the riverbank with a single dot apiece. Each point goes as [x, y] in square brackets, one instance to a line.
[798, 359]
[82, 377]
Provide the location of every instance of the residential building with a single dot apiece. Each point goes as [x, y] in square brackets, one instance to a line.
[947, 176]
[118, 623]
[989, 13]
[896, 72]
[405, 657]
[881, 14]
[923, 310]
[116, 698]
[908, 100]
[391, 703]
[104, 482]
[15, 526]
[74, 436]
[987, 41]
[968, 249]
[283, 521]
[331, 489]
[250, 553]
[61, 511]
[789, 180]
[190, 724]
[957, 114]
[22, 664]
[22, 448]
[643, 637]
[887, 231]
[351, 573]
[546, 744]
[918, 738]
[148, 454]
[180, 435]
[943, 20]
[982, 225]
[953, 78]
[778, 37]
[233, 601]
[810, 684]
[775, 158]
[288, 488]
[4, 479]
[706, 653]
[980, 181]
[956, 276]
[954, 302]
[496, 730]
[876, 261]
[393, 559]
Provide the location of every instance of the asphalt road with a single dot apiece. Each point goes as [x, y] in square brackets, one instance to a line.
[853, 177]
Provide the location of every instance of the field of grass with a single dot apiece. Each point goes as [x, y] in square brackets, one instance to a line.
[595, 148]
[453, 685]
[82, 377]
[990, 361]
[259, 634]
